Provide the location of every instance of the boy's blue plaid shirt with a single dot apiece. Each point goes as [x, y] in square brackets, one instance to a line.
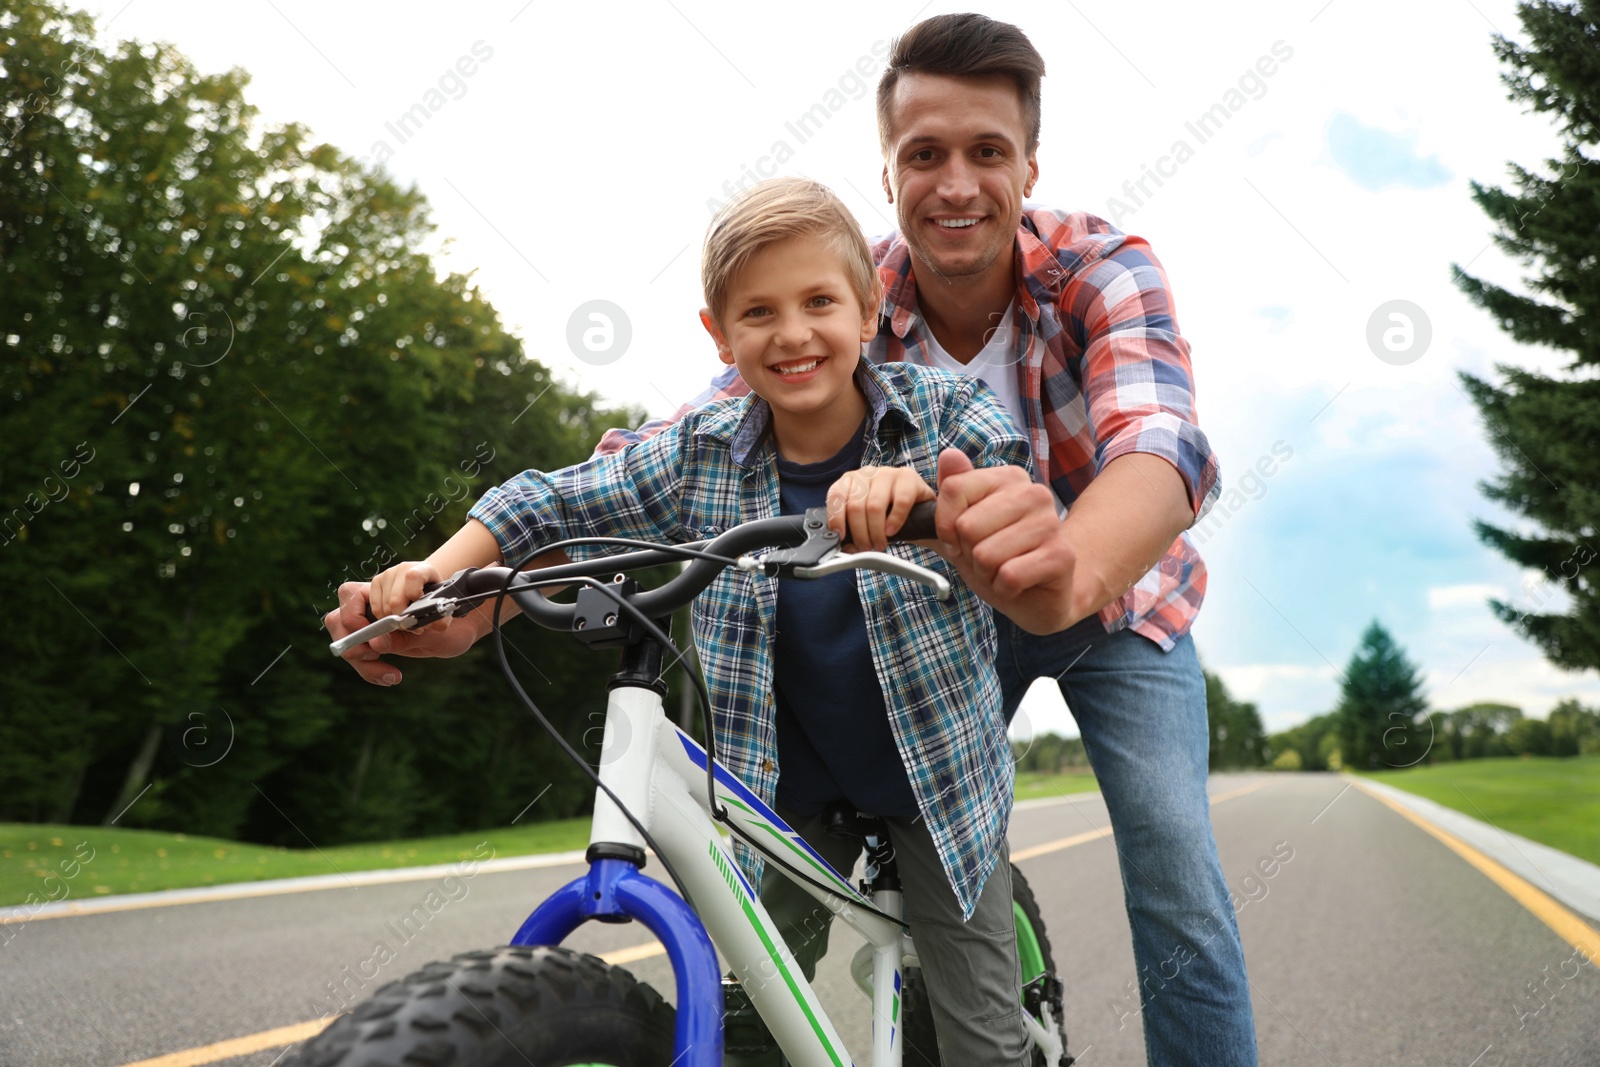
[935, 661]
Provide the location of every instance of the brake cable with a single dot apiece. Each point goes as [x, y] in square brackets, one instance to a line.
[719, 812]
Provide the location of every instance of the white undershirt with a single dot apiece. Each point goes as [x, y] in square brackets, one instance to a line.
[995, 363]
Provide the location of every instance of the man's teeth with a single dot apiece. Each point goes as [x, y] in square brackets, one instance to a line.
[957, 224]
[798, 368]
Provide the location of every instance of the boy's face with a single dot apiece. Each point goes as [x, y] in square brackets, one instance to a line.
[794, 327]
[957, 170]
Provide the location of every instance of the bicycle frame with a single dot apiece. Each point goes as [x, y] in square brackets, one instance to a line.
[658, 771]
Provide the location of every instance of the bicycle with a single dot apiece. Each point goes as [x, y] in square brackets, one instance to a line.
[533, 1001]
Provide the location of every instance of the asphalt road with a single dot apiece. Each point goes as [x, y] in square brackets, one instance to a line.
[1374, 944]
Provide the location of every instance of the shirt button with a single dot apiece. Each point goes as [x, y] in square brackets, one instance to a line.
[766, 765]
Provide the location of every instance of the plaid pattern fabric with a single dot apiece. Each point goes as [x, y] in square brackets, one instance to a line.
[1102, 371]
[716, 468]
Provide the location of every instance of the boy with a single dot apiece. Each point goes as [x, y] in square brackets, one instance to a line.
[876, 693]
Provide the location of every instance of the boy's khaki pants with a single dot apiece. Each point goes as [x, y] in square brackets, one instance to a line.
[971, 968]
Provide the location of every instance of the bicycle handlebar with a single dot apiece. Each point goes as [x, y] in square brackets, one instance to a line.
[785, 531]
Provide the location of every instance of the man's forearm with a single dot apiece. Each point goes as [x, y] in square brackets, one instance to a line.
[1122, 525]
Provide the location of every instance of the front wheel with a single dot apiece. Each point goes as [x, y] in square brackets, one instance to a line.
[1041, 988]
[507, 1007]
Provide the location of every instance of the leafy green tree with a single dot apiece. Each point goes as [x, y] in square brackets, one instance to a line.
[1381, 713]
[1546, 428]
[1050, 753]
[1237, 739]
[230, 381]
[1574, 729]
[1480, 730]
[1530, 737]
[1311, 743]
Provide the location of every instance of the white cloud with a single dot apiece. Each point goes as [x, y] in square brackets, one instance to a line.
[1286, 694]
[590, 150]
[1458, 596]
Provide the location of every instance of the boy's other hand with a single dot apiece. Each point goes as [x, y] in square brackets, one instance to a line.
[868, 506]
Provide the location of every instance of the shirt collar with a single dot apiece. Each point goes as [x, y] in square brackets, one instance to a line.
[1040, 278]
[747, 428]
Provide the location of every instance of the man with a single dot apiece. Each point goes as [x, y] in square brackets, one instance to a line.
[1071, 323]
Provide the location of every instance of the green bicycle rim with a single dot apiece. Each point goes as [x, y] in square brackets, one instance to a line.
[1029, 956]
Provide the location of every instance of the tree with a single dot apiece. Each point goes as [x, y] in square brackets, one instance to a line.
[1574, 729]
[1237, 739]
[1546, 428]
[1050, 753]
[1306, 747]
[1529, 737]
[1380, 706]
[230, 381]
[1479, 731]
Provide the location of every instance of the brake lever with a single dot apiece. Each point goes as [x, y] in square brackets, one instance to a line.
[819, 543]
[878, 561]
[820, 556]
[438, 601]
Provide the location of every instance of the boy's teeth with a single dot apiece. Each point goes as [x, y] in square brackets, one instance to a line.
[799, 368]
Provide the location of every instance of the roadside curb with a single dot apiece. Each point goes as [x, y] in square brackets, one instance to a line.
[273, 887]
[1572, 881]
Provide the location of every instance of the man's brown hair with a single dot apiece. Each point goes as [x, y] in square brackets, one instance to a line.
[965, 46]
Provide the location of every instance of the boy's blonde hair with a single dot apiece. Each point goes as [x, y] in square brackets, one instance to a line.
[773, 211]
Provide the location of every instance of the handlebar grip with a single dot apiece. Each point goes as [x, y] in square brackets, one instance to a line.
[919, 524]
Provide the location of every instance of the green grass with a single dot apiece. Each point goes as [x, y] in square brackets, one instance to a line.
[47, 862]
[140, 861]
[1553, 801]
[1031, 785]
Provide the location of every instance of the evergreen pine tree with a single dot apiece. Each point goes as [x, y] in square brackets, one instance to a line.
[1546, 429]
[1381, 708]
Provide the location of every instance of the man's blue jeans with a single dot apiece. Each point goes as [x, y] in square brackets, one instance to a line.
[1142, 715]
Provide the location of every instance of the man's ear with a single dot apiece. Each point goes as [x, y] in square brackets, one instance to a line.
[724, 353]
[1033, 173]
[889, 191]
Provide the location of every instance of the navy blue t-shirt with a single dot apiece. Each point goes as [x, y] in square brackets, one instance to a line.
[834, 741]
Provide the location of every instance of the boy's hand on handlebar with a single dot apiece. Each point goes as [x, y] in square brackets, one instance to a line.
[394, 590]
[430, 642]
[868, 506]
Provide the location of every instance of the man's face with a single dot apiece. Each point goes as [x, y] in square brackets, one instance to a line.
[957, 169]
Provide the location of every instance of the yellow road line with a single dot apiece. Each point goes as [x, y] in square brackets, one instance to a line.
[238, 1046]
[1057, 846]
[1105, 831]
[1241, 791]
[289, 1035]
[634, 952]
[1566, 924]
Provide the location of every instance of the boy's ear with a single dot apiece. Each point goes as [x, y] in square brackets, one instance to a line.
[724, 353]
[869, 325]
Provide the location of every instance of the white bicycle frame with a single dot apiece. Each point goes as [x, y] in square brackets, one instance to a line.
[658, 772]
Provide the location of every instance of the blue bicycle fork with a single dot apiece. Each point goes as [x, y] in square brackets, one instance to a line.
[615, 891]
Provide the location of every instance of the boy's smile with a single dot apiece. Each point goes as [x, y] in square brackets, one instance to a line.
[794, 327]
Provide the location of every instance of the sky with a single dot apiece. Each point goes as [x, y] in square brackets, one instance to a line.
[575, 153]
